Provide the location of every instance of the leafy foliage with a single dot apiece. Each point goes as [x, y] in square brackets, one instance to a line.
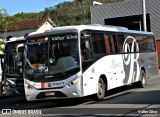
[66, 13]
[3, 20]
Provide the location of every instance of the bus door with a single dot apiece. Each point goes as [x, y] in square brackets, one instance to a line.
[87, 61]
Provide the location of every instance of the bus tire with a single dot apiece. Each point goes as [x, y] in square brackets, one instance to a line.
[101, 90]
[142, 83]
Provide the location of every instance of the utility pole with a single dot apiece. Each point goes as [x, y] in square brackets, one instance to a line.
[144, 15]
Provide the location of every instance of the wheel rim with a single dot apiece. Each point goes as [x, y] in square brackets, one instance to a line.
[143, 80]
[100, 89]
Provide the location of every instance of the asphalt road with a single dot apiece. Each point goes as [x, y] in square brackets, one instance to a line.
[123, 101]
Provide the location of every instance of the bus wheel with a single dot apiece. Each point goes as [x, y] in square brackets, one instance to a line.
[142, 83]
[101, 90]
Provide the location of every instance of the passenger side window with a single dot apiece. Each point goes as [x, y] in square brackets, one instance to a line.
[111, 44]
[120, 39]
[146, 43]
[98, 43]
[86, 51]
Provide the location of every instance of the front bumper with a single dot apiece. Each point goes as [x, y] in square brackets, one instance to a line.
[73, 91]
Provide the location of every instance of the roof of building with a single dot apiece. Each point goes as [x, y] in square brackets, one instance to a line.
[29, 24]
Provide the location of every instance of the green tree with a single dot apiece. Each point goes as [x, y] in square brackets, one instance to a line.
[3, 20]
[66, 13]
[3, 27]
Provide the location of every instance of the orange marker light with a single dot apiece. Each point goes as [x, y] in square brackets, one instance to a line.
[42, 85]
[46, 31]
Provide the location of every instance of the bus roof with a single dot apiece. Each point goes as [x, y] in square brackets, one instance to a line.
[101, 28]
[96, 27]
[15, 39]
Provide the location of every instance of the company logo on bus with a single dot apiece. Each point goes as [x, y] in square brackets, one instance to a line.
[58, 83]
[131, 60]
[49, 84]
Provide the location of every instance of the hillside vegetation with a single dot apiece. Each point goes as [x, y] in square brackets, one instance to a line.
[66, 13]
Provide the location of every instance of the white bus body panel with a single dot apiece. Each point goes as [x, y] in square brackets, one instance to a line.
[110, 66]
[122, 69]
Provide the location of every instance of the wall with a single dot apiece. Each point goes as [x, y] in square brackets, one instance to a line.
[128, 8]
[19, 33]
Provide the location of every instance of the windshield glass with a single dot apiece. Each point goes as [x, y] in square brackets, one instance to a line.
[13, 60]
[37, 54]
[57, 54]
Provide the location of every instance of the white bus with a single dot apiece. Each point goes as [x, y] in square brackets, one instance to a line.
[77, 61]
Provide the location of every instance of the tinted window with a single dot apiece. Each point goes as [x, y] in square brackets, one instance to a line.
[98, 43]
[86, 51]
[111, 44]
[120, 40]
[146, 43]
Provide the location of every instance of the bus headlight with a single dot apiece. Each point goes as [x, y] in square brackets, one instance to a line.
[28, 86]
[74, 81]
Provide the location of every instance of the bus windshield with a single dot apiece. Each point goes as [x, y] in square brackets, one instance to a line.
[13, 60]
[52, 55]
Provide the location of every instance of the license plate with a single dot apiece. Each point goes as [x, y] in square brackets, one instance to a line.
[49, 93]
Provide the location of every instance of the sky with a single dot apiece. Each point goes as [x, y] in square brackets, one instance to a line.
[16, 6]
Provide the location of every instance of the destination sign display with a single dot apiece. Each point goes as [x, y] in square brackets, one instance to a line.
[62, 37]
[37, 40]
[56, 38]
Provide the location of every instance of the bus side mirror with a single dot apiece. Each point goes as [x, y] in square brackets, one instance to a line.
[17, 56]
[18, 46]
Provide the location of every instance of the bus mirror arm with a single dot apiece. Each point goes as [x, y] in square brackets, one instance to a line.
[17, 57]
[18, 46]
